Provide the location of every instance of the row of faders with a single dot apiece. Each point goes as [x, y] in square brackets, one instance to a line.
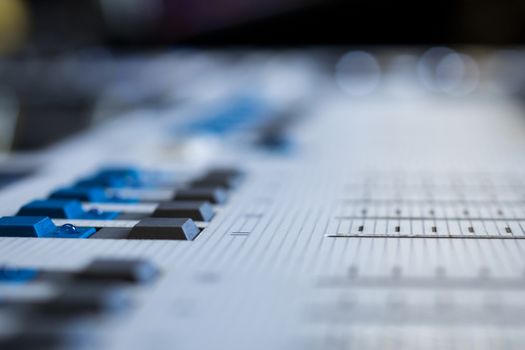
[125, 203]
[57, 309]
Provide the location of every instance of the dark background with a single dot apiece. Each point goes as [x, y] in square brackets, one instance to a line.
[137, 23]
[386, 22]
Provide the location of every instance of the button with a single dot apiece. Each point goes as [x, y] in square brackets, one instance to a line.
[91, 194]
[26, 226]
[119, 270]
[88, 194]
[221, 177]
[54, 208]
[127, 173]
[277, 142]
[95, 214]
[136, 216]
[114, 177]
[40, 226]
[63, 209]
[217, 181]
[196, 210]
[97, 181]
[71, 231]
[240, 112]
[225, 172]
[16, 275]
[85, 299]
[215, 195]
[165, 228]
[29, 340]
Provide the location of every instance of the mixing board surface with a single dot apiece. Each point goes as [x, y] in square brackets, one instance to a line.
[382, 214]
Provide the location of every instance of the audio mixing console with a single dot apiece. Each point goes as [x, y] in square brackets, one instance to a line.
[278, 201]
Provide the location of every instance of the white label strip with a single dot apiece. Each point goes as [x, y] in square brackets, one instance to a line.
[122, 207]
[144, 194]
[97, 223]
[141, 208]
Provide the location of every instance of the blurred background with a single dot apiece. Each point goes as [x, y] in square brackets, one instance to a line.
[61, 60]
